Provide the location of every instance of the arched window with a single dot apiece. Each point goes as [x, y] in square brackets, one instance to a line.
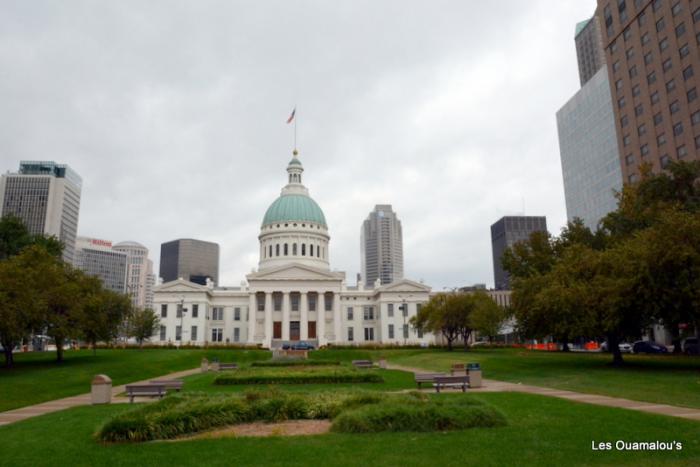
[323, 253]
[277, 249]
[270, 255]
[294, 249]
[286, 249]
[303, 249]
[318, 251]
[311, 249]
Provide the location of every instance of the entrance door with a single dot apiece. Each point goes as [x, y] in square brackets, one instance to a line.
[277, 330]
[312, 329]
[294, 330]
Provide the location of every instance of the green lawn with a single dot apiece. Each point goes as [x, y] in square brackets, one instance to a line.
[541, 431]
[663, 379]
[38, 378]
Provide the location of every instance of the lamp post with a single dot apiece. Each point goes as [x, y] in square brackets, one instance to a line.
[183, 310]
[404, 313]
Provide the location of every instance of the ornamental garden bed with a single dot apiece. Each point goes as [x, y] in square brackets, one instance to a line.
[297, 376]
[294, 363]
[351, 412]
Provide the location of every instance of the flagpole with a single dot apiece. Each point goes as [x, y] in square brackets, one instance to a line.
[295, 130]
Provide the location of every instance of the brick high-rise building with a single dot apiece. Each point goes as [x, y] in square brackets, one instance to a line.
[653, 60]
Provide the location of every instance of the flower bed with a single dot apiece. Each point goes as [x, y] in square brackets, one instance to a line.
[298, 376]
[293, 362]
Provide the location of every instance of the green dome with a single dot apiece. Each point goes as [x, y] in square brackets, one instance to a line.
[295, 161]
[294, 208]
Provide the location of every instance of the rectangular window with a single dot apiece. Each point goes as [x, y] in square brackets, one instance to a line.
[695, 118]
[641, 129]
[645, 37]
[350, 314]
[217, 313]
[624, 121]
[404, 310]
[629, 53]
[680, 30]
[178, 333]
[678, 129]
[178, 311]
[639, 110]
[629, 159]
[162, 333]
[658, 118]
[390, 310]
[418, 307]
[648, 58]
[236, 334]
[651, 78]
[616, 66]
[295, 298]
[676, 8]
[164, 310]
[621, 102]
[369, 334]
[632, 178]
[193, 333]
[328, 300]
[260, 299]
[644, 150]
[660, 25]
[236, 314]
[656, 5]
[351, 334]
[195, 311]
[661, 140]
[674, 107]
[663, 44]
[692, 95]
[312, 301]
[655, 97]
[670, 86]
[684, 51]
[217, 335]
[633, 71]
[391, 331]
[688, 72]
[681, 151]
[626, 140]
[277, 298]
[405, 331]
[369, 313]
[667, 65]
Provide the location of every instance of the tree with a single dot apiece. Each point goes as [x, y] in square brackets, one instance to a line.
[143, 324]
[487, 317]
[14, 237]
[103, 312]
[447, 314]
[21, 303]
[65, 298]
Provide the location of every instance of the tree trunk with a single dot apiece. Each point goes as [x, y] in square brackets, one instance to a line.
[565, 344]
[676, 339]
[614, 347]
[94, 348]
[59, 350]
[449, 343]
[9, 357]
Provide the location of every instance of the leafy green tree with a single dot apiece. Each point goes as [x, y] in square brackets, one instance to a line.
[487, 317]
[102, 313]
[65, 298]
[21, 303]
[447, 314]
[143, 324]
[14, 236]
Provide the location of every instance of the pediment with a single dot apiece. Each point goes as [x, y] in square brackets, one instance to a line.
[295, 272]
[404, 285]
[181, 285]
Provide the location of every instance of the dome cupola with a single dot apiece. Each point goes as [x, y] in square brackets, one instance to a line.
[294, 228]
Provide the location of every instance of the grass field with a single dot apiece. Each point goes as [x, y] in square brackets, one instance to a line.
[664, 379]
[541, 431]
[38, 378]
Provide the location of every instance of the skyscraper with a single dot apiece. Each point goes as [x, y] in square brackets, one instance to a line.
[46, 196]
[652, 58]
[139, 276]
[193, 260]
[382, 246]
[590, 158]
[97, 258]
[505, 233]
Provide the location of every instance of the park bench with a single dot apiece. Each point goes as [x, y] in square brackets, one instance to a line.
[170, 384]
[458, 368]
[362, 363]
[451, 381]
[228, 366]
[426, 378]
[145, 390]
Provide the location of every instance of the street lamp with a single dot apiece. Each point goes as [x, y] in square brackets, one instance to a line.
[183, 310]
[404, 312]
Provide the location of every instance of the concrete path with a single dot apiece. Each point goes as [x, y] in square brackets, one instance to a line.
[84, 399]
[489, 385]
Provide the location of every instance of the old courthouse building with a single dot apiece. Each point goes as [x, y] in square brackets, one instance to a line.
[293, 295]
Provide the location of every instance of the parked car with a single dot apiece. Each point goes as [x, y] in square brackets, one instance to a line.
[648, 347]
[623, 346]
[691, 346]
[301, 345]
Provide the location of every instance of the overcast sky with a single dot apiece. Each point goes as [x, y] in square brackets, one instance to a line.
[173, 112]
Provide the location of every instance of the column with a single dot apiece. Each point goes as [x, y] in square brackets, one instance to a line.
[337, 318]
[321, 319]
[268, 320]
[304, 317]
[252, 317]
[285, 316]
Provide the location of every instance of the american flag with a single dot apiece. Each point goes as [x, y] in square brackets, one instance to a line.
[291, 117]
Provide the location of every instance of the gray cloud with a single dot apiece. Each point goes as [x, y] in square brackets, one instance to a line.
[173, 113]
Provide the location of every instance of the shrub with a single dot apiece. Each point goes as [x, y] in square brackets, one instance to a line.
[393, 415]
[296, 376]
[291, 362]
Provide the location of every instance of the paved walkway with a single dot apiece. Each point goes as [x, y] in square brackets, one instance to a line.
[84, 399]
[489, 385]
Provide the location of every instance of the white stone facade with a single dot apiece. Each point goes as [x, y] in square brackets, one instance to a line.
[293, 296]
